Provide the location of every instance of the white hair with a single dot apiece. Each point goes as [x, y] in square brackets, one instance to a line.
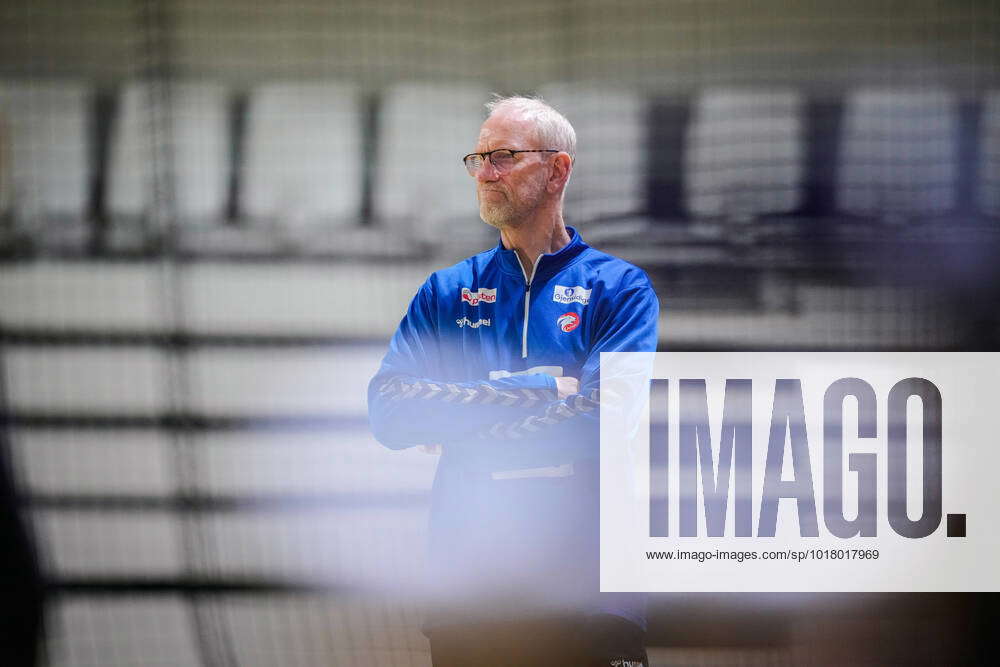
[554, 131]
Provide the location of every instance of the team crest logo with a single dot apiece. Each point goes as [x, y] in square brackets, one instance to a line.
[568, 321]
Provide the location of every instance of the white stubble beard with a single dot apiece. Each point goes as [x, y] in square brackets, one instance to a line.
[508, 215]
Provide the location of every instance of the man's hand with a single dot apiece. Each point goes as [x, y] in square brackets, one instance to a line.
[567, 386]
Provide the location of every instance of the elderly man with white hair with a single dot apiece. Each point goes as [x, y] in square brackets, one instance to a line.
[496, 364]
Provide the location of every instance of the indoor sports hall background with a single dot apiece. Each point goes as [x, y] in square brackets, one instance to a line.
[212, 215]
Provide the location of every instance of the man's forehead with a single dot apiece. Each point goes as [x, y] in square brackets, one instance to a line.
[505, 127]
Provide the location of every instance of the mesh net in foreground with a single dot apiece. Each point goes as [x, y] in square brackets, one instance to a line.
[213, 215]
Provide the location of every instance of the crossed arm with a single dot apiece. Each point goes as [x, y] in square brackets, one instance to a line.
[407, 409]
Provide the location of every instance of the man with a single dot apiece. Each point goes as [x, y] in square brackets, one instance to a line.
[496, 360]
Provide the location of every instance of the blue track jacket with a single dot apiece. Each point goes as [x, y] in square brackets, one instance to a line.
[514, 516]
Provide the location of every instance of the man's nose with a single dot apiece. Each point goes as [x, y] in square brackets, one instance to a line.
[487, 172]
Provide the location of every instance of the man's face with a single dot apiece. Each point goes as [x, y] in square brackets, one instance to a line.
[507, 199]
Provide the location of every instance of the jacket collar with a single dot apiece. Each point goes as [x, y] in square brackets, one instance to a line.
[550, 263]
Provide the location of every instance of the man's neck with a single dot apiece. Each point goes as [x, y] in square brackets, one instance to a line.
[534, 238]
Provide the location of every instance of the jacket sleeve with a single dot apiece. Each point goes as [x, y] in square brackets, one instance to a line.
[629, 322]
[411, 401]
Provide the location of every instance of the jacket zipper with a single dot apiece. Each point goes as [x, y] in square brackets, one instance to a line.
[527, 302]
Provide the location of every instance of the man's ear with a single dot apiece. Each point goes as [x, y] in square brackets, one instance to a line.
[562, 165]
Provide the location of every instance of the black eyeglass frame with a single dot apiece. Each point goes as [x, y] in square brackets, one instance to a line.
[489, 155]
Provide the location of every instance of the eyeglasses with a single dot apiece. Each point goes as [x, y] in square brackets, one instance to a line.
[502, 159]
